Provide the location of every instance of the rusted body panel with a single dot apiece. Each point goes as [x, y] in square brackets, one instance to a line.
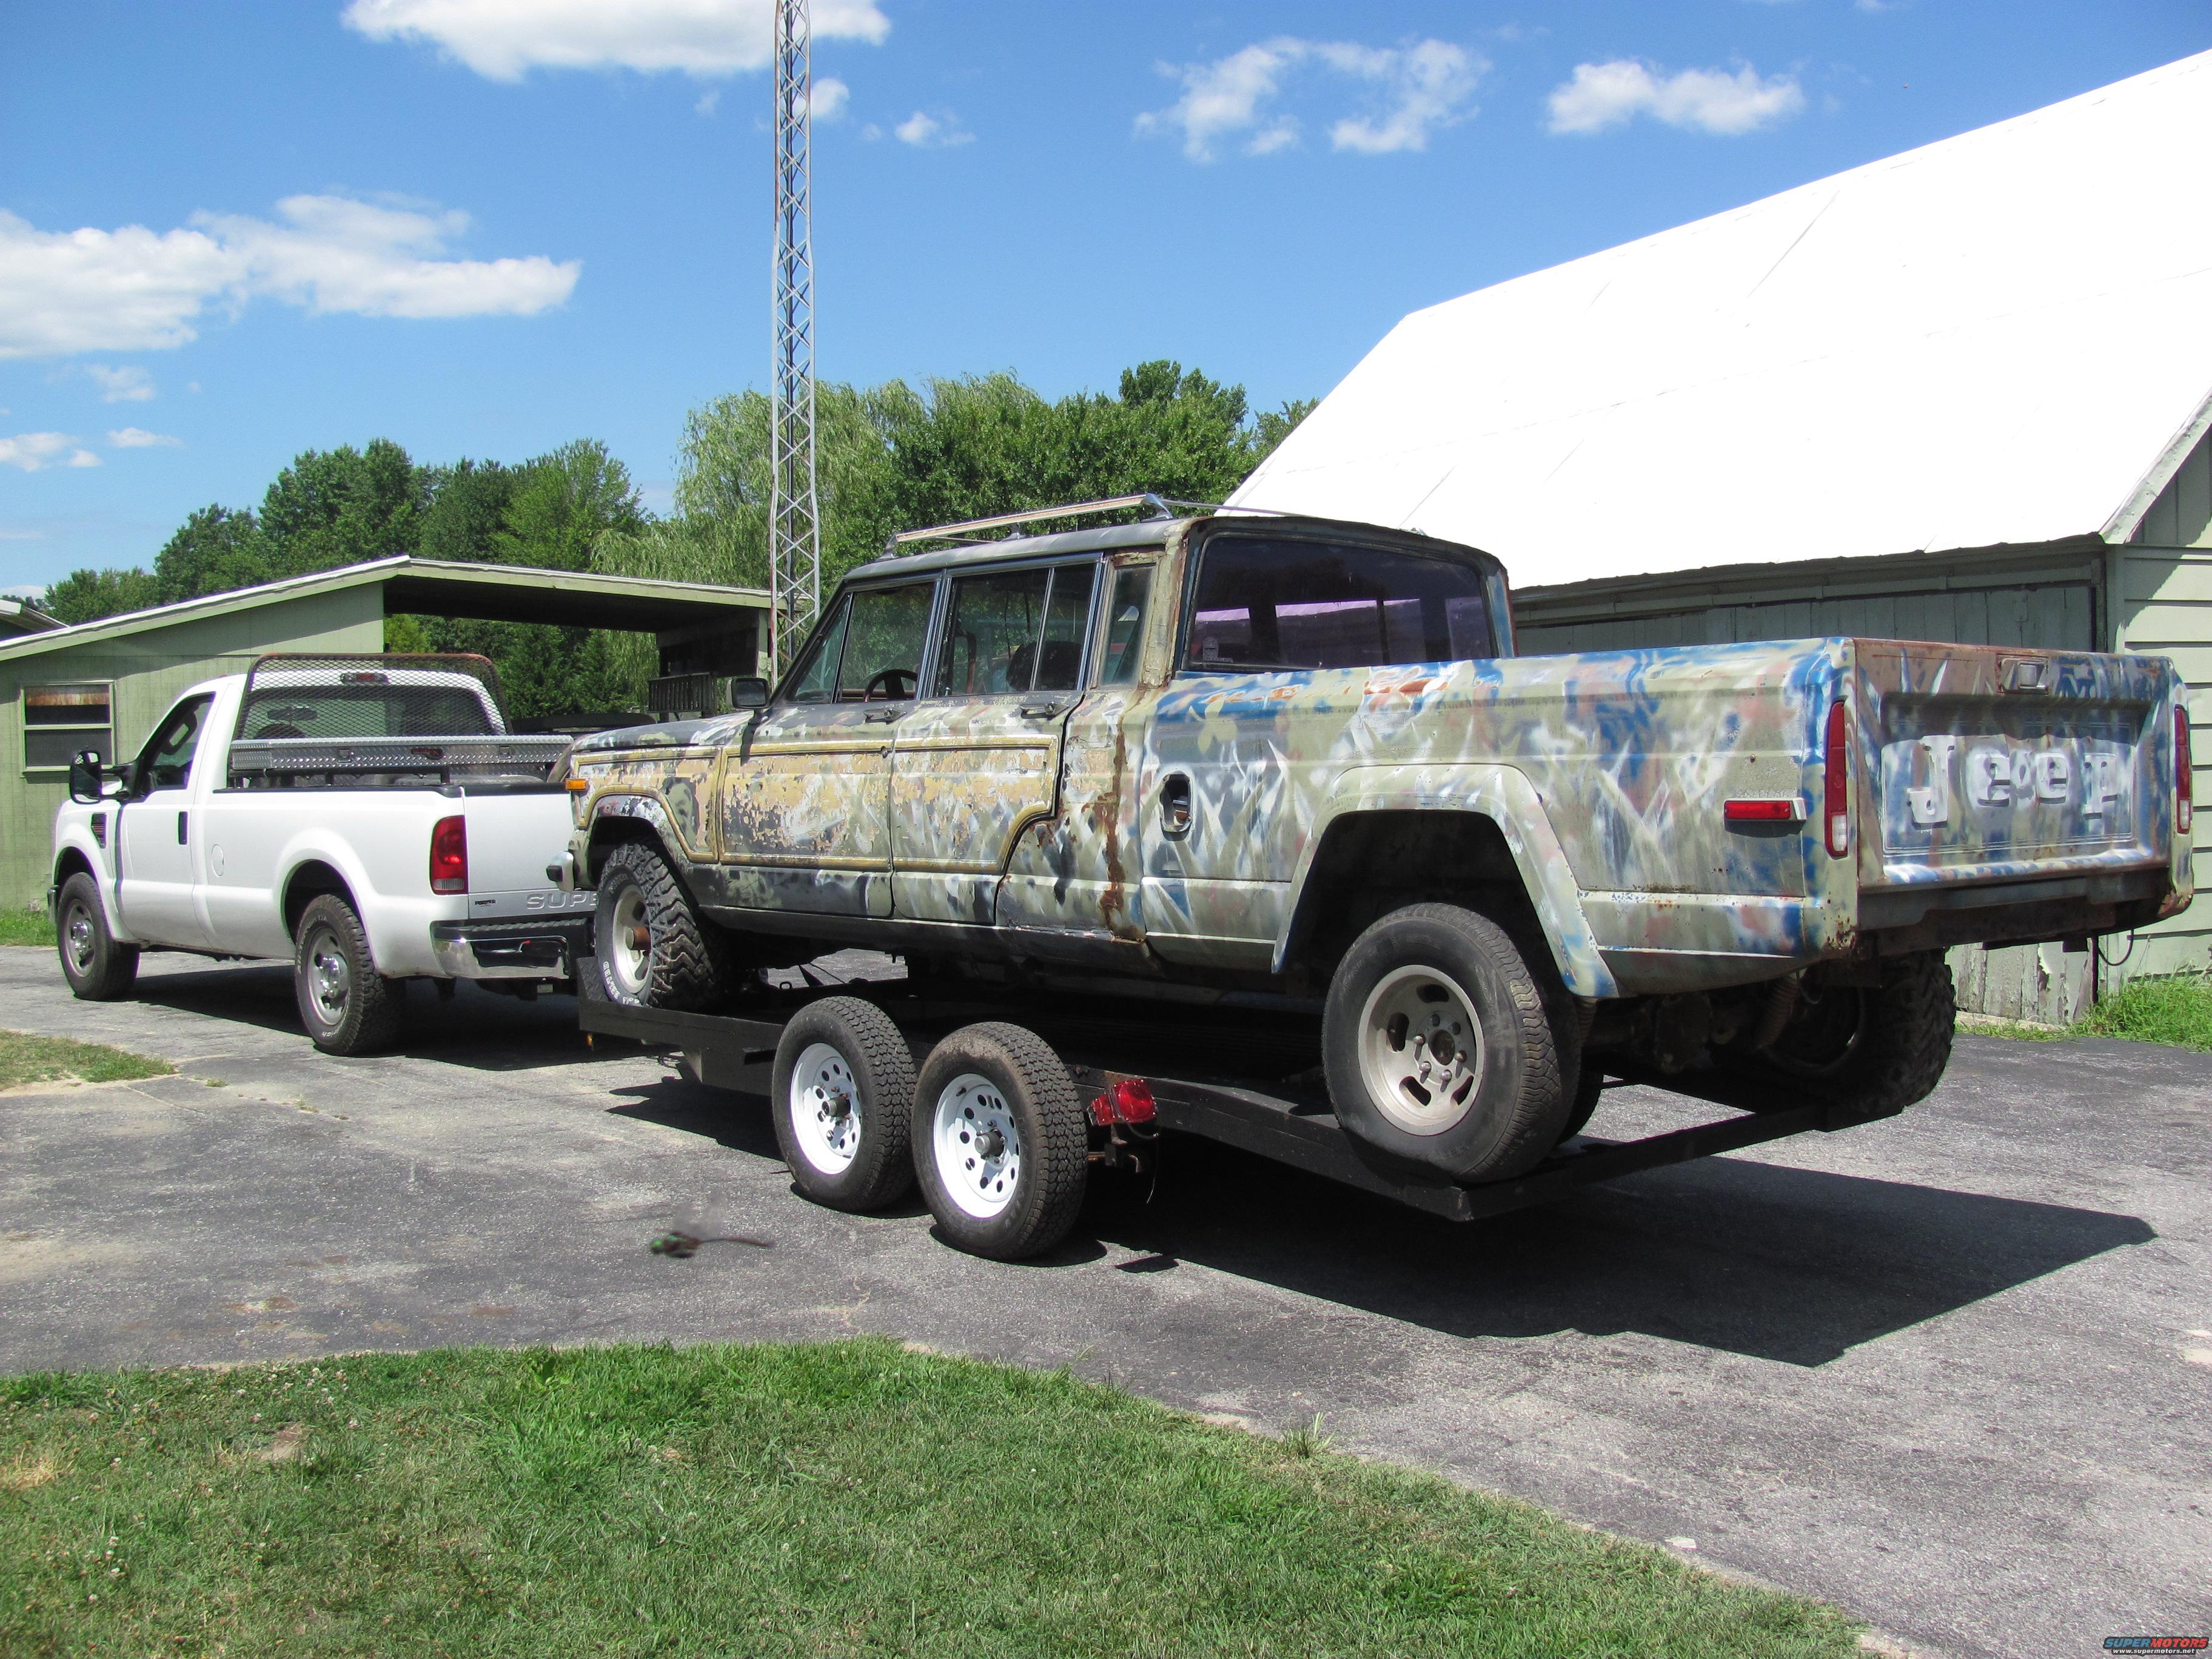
[1051, 828]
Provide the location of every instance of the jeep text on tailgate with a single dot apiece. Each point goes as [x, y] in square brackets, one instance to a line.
[1267, 760]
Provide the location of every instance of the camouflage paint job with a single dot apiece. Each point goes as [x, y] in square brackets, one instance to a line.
[1606, 773]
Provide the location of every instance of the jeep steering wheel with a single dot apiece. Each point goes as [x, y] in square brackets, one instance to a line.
[898, 685]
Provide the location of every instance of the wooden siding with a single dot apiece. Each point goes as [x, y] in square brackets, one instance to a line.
[2047, 597]
[149, 667]
[2162, 603]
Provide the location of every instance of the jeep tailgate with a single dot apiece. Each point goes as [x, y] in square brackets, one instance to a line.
[1991, 764]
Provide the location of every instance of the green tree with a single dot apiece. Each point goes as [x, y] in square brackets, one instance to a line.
[85, 596]
[563, 504]
[215, 550]
[466, 511]
[343, 506]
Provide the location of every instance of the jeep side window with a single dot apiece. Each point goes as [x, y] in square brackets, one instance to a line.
[1067, 620]
[883, 644]
[991, 630]
[816, 679]
[1271, 605]
[1125, 625]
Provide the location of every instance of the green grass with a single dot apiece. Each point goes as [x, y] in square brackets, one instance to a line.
[27, 1059]
[2175, 1009]
[29, 926]
[845, 1499]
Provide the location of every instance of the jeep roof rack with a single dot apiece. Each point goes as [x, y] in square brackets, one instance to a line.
[1157, 507]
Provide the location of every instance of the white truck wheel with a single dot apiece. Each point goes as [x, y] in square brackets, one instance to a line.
[1002, 1142]
[841, 1093]
[97, 969]
[348, 1007]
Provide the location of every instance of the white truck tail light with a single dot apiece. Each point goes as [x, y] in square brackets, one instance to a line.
[1836, 796]
[2184, 775]
[449, 855]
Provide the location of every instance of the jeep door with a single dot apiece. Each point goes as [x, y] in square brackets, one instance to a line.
[977, 761]
[806, 793]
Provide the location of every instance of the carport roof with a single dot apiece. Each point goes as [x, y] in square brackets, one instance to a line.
[445, 587]
[2004, 337]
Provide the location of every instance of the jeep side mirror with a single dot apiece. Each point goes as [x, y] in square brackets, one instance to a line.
[748, 691]
[84, 777]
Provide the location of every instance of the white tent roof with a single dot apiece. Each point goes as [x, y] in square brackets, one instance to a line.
[2004, 338]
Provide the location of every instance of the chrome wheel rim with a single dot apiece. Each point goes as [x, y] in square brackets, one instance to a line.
[978, 1145]
[629, 963]
[825, 1109]
[1420, 1050]
[330, 976]
[79, 939]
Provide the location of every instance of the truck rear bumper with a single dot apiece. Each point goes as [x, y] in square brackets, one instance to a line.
[535, 948]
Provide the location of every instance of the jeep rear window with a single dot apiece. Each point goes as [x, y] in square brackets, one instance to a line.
[1266, 604]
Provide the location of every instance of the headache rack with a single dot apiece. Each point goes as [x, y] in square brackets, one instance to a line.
[394, 720]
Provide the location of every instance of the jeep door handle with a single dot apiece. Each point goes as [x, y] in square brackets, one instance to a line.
[1041, 711]
[881, 716]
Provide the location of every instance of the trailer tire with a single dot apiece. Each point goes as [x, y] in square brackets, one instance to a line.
[843, 1100]
[685, 963]
[1002, 1142]
[348, 1007]
[98, 968]
[1412, 996]
[1873, 1050]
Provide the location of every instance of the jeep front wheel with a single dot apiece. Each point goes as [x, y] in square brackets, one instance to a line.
[1438, 1048]
[654, 950]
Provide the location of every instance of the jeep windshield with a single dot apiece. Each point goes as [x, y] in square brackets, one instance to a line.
[1269, 604]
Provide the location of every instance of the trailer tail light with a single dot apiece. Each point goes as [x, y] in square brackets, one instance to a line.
[449, 855]
[1836, 797]
[2184, 773]
[1764, 809]
[1127, 1100]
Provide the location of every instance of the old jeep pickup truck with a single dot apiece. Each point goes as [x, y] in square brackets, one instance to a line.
[1275, 761]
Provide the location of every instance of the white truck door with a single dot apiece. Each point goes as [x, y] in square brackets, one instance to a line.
[155, 833]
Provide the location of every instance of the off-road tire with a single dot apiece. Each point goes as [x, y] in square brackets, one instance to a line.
[365, 1016]
[1055, 1141]
[690, 964]
[1902, 1044]
[1514, 1115]
[98, 968]
[1589, 1089]
[880, 1065]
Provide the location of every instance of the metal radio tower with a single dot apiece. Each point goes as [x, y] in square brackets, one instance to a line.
[795, 510]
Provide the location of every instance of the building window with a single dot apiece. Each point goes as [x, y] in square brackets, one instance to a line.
[59, 721]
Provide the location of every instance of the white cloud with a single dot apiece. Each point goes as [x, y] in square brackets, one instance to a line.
[134, 291]
[124, 383]
[132, 437]
[707, 100]
[830, 98]
[33, 452]
[1424, 86]
[924, 131]
[1609, 94]
[505, 40]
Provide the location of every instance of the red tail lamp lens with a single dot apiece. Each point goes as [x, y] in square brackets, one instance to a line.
[1127, 1100]
[1759, 809]
[2184, 773]
[449, 855]
[1835, 803]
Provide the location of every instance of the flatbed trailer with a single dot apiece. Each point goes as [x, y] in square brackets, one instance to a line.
[1258, 1109]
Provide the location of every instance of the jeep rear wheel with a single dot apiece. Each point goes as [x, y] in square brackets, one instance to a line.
[1438, 1048]
[1872, 1049]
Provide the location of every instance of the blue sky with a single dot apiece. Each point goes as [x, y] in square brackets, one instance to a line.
[228, 233]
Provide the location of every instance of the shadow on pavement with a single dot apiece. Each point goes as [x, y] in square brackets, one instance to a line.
[1798, 1266]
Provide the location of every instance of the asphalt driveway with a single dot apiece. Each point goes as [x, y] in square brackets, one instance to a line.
[1953, 1371]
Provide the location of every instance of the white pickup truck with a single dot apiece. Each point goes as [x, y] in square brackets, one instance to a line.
[373, 819]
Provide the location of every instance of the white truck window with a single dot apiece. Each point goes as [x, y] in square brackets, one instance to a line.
[166, 760]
